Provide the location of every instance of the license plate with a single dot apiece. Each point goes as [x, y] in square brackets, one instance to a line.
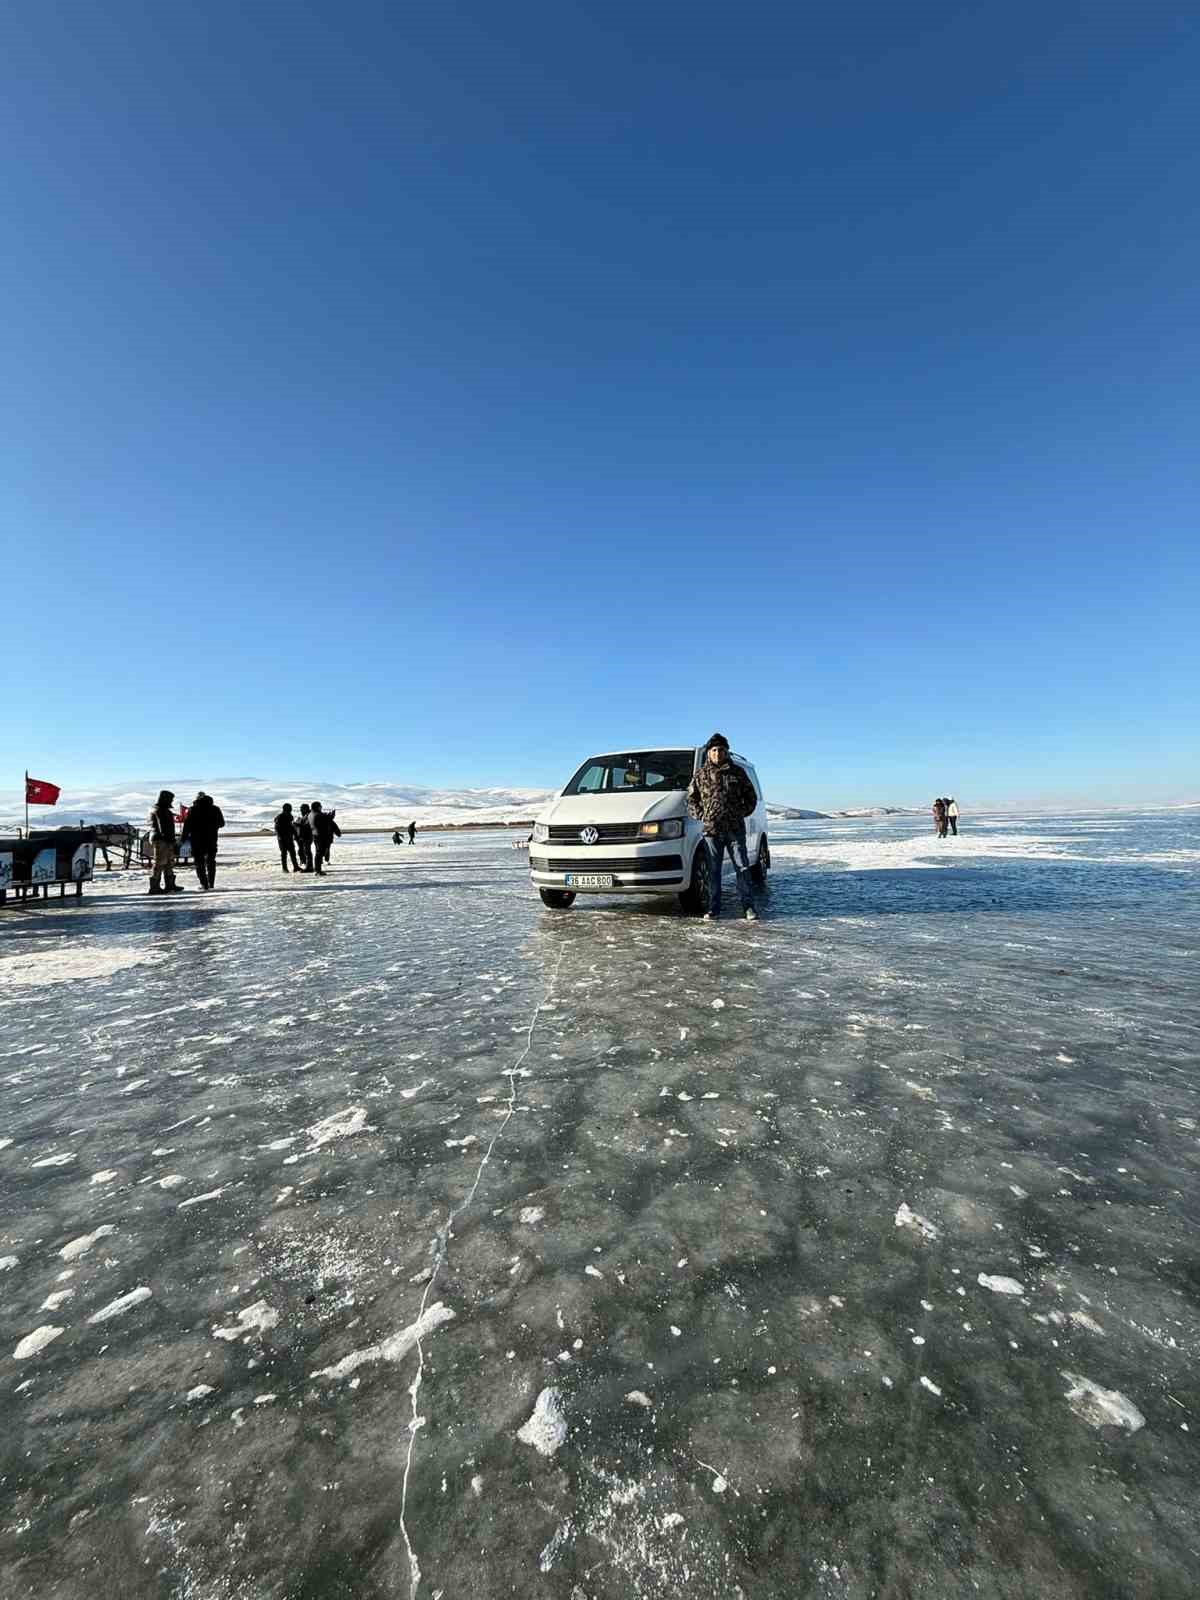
[589, 880]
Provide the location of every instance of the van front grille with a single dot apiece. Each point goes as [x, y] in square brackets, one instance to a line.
[609, 832]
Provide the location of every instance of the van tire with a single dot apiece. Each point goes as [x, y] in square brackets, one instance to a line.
[759, 870]
[557, 899]
[697, 897]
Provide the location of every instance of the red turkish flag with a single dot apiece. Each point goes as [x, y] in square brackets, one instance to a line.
[181, 814]
[40, 793]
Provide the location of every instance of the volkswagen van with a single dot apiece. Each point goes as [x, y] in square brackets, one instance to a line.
[620, 826]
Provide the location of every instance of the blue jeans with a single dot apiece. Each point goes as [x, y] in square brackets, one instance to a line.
[735, 843]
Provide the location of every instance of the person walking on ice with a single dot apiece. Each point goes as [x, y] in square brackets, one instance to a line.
[324, 828]
[952, 815]
[285, 835]
[721, 796]
[304, 837]
[412, 832]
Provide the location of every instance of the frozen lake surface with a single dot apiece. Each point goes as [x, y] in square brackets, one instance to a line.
[392, 1235]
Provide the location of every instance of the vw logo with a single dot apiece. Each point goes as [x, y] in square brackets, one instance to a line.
[589, 835]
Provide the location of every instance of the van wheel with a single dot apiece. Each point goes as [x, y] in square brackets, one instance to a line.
[557, 899]
[697, 897]
[758, 871]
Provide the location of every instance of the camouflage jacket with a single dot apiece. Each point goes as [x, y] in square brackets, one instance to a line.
[721, 797]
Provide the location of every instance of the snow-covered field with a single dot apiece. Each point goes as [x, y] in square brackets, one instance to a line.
[388, 1235]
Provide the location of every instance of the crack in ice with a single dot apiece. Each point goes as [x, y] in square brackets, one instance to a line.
[439, 1250]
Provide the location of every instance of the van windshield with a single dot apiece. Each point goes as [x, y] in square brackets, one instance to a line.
[636, 772]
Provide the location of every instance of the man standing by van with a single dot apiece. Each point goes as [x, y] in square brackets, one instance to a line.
[722, 796]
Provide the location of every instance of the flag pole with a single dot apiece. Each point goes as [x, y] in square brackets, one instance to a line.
[27, 802]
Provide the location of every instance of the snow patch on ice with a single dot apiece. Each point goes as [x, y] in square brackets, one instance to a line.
[258, 1318]
[33, 1342]
[1000, 1285]
[74, 965]
[341, 1125]
[1102, 1407]
[395, 1347]
[546, 1429]
[81, 1246]
[906, 1218]
[115, 1308]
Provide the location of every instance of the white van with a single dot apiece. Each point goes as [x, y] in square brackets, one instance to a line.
[621, 827]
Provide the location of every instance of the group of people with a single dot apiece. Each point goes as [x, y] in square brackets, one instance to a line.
[305, 840]
[202, 822]
[311, 834]
[945, 816]
[411, 830]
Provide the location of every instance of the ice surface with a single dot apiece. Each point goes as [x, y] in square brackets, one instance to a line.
[765, 1235]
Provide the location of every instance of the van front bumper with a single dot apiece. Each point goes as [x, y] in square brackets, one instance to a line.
[638, 869]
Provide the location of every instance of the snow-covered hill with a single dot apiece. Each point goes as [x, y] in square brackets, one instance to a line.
[253, 802]
[879, 811]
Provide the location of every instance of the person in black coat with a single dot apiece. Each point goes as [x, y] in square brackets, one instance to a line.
[325, 829]
[285, 835]
[203, 822]
[304, 837]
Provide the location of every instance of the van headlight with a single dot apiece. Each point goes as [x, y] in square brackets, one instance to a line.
[672, 828]
[540, 833]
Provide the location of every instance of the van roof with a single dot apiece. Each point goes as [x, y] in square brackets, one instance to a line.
[641, 749]
[646, 749]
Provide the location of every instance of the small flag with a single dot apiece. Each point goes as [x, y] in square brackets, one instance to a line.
[40, 793]
[181, 814]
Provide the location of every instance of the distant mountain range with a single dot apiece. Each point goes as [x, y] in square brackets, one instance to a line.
[250, 803]
[793, 814]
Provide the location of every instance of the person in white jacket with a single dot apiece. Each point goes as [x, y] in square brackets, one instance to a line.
[952, 815]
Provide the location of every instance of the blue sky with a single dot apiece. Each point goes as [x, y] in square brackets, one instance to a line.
[436, 393]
